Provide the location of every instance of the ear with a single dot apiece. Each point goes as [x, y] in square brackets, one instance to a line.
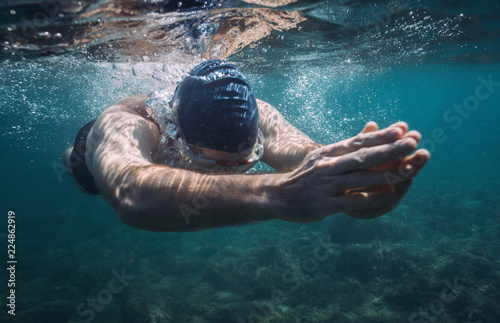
[66, 159]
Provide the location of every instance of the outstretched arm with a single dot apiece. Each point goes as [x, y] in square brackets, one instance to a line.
[162, 198]
[329, 179]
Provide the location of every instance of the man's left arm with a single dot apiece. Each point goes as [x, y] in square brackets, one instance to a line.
[286, 147]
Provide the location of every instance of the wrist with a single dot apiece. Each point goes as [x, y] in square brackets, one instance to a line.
[276, 197]
[311, 147]
[274, 201]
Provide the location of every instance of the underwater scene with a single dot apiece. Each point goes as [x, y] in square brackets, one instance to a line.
[328, 67]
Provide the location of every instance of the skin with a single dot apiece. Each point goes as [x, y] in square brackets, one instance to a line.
[355, 176]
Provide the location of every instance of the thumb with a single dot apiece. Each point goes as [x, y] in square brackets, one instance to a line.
[370, 127]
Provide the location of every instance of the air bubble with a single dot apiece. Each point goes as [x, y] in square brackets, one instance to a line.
[43, 34]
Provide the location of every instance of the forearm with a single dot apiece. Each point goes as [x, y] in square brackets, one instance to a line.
[290, 154]
[285, 145]
[160, 198]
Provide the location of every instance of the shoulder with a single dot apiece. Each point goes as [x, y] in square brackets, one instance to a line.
[132, 105]
[132, 101]
[263, 105]
[123, 134]
[266, 109]
[125, 120]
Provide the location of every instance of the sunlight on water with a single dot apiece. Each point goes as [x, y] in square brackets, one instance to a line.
[46, 100]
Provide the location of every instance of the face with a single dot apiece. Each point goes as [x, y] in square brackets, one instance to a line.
[219, 161]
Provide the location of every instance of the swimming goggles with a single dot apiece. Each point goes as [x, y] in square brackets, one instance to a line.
[242, 166]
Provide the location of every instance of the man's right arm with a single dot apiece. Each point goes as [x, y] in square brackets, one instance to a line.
[161, 198]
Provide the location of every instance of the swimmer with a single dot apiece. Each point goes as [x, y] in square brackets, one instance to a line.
[180, 164]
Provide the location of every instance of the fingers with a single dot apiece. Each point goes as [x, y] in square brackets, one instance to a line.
[401, 125]
[413, 164]
[371, 156]
[363, 180]
[400, 171]
[371, 213]
[413, 134]
[364, 139]
[370, 127]
[418, 160]
[369, 137]
[368, 205]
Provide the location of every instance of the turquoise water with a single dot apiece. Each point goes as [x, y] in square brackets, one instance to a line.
[432, 259]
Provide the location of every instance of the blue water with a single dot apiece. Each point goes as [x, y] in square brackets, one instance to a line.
[432, 259]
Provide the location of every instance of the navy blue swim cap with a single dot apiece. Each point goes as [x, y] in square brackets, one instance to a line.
[216, 108]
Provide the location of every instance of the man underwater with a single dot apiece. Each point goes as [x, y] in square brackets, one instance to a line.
[182, 167]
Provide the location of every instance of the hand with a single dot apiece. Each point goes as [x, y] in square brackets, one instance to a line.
[365, 176]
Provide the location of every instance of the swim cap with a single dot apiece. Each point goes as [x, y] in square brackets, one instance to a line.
[216, 108]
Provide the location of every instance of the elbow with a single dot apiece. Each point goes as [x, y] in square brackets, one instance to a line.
[126, 204]
[139, 219]
[140, 213]
[134, 216]
[144, 206]
[127, 210]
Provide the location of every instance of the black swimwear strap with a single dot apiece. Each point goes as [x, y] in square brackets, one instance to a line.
[80, 171]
